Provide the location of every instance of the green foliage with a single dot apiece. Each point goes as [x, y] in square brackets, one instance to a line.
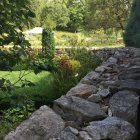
[132, 31]
[48, 46]
[71, 68]
[87, 60]
[13, 16]
[6, 127]
[106, 14]
[76, 15]
[18, 114]
[13, 117]
[65, 76]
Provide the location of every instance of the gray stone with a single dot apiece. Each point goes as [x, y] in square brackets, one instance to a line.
[84, 136]
[90, 77]
[105, 108]
[102, 68]
[76, 109]
[136, 62]
[82, 90]
[42, 125]
[111, 61]
[73, 130]
[136, 52]
[96, 98]
[134, 69]
[111, 128]
[103, 92]
[129, 84]
[124, 104]
[67, 134]
[128, 75]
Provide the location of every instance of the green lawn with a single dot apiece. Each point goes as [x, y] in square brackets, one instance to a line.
[40, 93]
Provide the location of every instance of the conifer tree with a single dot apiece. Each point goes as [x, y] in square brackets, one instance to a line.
[132, 31]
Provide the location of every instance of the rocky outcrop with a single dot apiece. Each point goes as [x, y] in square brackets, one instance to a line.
[103, 106]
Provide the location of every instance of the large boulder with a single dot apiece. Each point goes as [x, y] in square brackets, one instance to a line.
[82, 90]
[111, 128]
[42, 125]
[79, 110]
[124, 104]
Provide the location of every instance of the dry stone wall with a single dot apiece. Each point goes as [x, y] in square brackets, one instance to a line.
[104, 105]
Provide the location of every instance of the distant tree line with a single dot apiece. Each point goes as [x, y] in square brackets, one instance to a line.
[76, 15]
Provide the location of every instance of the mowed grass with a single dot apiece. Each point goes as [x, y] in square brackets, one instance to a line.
[43, 83]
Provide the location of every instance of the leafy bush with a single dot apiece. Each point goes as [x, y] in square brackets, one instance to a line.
[87, 60]
[71, 68]
[18, 114]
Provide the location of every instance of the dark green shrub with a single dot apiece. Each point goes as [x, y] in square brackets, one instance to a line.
[132, 31]
[48, 46]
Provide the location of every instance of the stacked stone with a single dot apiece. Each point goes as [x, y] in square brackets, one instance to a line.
[104, 105]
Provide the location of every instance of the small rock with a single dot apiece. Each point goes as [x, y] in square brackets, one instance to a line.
[111, 61]
[67, 134]
[84, 136]
[111, 128]
[103, 93]
[96, 98]
[110, 113]
[102, 69]
[73, 130]
[105, 108]
[82, 90]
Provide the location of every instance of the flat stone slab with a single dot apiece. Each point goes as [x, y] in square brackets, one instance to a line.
[124, 104]
[76, 109]
[112, 128]
[82, 90]
[42, 125]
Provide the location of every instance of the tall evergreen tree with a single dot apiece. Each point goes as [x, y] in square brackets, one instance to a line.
[132, 31]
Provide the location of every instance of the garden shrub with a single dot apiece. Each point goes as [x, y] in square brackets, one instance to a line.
[48, 46]
[132, 31]
[71, 68]
[87, 60]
